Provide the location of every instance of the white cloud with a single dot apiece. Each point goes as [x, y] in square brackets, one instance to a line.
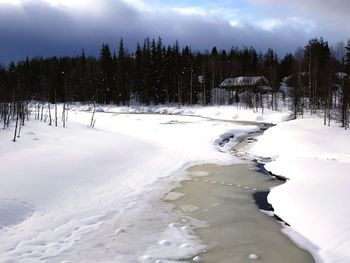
[297, 23]
[142, 6]
[74, 7]
[235, 23]
[11, 2]
[189, 10]
[270, 24]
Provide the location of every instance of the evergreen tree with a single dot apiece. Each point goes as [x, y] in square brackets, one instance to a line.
[107, 82]
[286, 66]
[138, 73]
[317, 54]
[122, 76]
[345, 92]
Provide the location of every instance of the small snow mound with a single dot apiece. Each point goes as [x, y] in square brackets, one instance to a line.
[197, 259]
[199, 173]
[119, 231]
[253, 257]
[185, 245]
[166, 243]
[184, 227]
[172, 225]
[162, 111]
[99, 109]
[146, 257]
[259, 118]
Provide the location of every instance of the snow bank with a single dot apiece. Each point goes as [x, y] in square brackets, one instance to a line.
[316, 159]
[80, 194]
[214, 112]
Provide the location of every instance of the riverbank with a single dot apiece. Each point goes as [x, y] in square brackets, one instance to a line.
[223, 112]
[316, 161]
[85, 195]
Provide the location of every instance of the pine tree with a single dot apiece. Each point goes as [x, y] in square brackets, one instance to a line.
[122, 76]
[271, 73]
[347, 57]
[106, 62]
[214, 69]
[317, 55]
[138, 73]
[345, 98]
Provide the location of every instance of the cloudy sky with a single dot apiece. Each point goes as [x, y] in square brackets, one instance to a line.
[65, 27]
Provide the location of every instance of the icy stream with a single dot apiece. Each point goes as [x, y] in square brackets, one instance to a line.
[236, 231]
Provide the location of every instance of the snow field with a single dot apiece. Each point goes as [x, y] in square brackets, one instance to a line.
[80, 194]
[316, 160]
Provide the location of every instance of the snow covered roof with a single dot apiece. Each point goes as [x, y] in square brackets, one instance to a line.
[341, 75]
[245, 81]
[287, 78]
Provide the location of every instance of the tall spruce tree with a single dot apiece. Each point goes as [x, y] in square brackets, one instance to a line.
[345, 93]
[122, 75]
[106, 74]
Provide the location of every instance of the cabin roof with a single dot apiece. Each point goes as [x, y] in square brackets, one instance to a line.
[341, 75]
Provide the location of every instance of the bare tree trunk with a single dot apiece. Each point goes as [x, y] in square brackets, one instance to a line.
[56, 110]
[204, 88]
[93, 121]
[67, 111]
[50, 118]
[191, 84]
[21, 119]
[64, 115]
[38, 112]
[42, 112]
[27, 107]
[16, 126]
[330, 99]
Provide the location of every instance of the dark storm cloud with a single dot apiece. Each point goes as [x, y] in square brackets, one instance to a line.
[38, 29]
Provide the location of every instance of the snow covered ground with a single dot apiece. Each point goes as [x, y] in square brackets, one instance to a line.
[314, 201]
[229, 112]
[85, 195]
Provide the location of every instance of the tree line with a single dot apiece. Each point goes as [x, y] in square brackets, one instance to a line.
[320, 80]
[157, 74]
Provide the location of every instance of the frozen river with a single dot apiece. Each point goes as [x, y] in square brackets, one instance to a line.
[95, 195]
[227, 200]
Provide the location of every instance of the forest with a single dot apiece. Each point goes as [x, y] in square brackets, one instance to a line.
[158, 74]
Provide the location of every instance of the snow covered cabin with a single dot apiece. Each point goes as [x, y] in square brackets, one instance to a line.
[341, 75]
[258, 83]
